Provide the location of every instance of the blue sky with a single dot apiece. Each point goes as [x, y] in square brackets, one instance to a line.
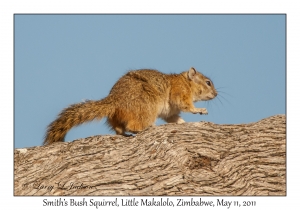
[64, 59]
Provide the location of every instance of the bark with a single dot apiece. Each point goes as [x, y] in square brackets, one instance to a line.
[199, 158]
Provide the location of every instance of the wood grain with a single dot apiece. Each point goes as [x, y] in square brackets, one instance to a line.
[199, 158]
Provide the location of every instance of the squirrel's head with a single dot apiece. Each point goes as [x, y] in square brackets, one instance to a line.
[202, 87]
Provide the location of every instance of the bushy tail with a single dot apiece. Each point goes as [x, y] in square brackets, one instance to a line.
[74, 115]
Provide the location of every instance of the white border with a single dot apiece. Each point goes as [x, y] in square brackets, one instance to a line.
[10, 7]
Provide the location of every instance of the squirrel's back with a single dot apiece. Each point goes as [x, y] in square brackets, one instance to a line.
[139, 86]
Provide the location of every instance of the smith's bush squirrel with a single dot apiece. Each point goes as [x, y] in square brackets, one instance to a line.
[136, 100]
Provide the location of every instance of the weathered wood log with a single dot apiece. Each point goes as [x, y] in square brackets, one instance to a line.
[173, 159]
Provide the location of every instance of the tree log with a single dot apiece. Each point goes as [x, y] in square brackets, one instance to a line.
[199, 158]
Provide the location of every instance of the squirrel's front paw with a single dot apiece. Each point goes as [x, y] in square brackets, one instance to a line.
[202, 111]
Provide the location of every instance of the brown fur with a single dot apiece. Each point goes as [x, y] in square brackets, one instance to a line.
[136, 100]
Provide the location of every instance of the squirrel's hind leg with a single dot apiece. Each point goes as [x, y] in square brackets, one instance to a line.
[116, 126]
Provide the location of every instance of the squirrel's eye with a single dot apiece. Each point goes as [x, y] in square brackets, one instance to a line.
[208, 83]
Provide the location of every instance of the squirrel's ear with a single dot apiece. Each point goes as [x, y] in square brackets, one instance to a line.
[192, 73]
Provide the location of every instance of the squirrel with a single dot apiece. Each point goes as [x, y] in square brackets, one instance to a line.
[136, 100]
